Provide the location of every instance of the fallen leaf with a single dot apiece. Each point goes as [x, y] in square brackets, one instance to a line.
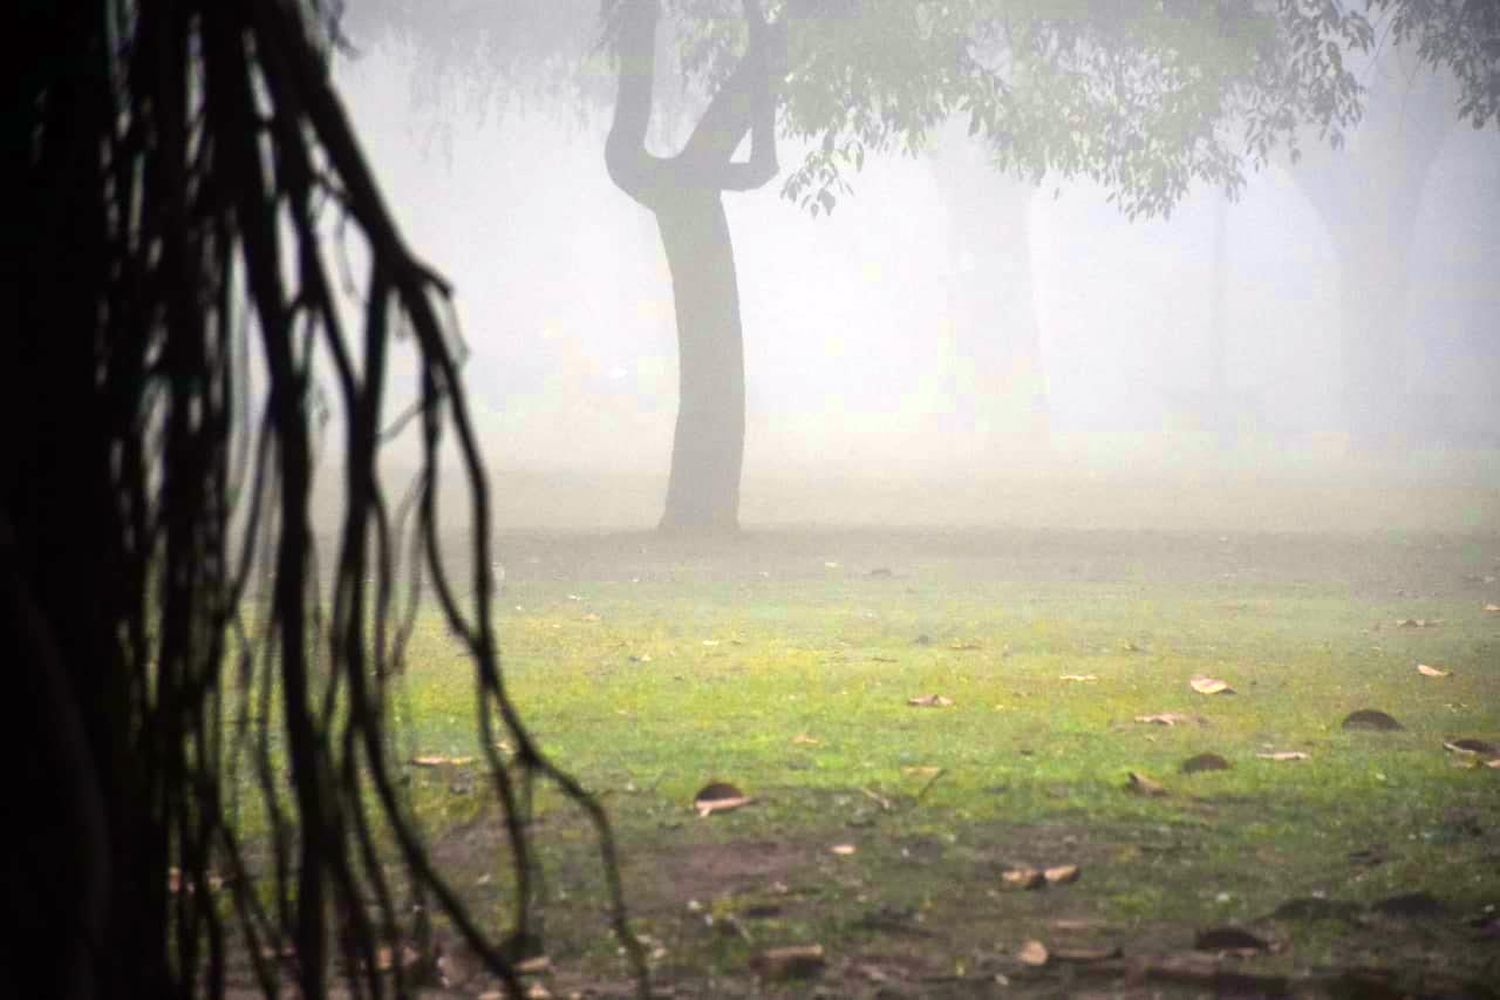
[438, 760]
[719, 796]
[1169, 719]
[533, 966]
[1205, 762]
[798, 961]
[1284, 755]
[802, 739]
[1073, 923]
[1103, 954]
[930, 701]
[1033, 953]
[1410, 905]
[1210, 685]
[1230, 940]
[1427, 671]
[1478, 748]
[1022, 878]
[1372, 719]
[843, 850]
[1080, 678]
[1142, 785]
[1061, 874]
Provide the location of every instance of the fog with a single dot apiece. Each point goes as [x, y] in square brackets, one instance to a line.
[874, 391]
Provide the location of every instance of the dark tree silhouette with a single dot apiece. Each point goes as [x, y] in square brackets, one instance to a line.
[685, 194]
[174, 168]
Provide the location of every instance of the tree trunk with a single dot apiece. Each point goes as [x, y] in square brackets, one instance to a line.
[708, 446]
[685, 194]
[1223, 414]
[1368, 197]
[999, 387]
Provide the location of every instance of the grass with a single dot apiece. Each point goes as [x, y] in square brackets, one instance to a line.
[783, 663]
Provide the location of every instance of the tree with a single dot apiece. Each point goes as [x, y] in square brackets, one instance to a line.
[1368, 195]
[999, 384]
[684, 192]
[176, 164]
[1142, 98]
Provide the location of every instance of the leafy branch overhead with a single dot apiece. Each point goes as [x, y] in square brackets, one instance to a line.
[1142, 97]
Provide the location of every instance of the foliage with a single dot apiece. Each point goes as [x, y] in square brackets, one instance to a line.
[1142, 97]
[1461, 35]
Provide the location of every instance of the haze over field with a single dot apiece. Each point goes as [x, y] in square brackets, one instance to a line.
[874, 390]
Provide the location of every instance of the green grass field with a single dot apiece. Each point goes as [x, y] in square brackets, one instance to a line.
[783, 662]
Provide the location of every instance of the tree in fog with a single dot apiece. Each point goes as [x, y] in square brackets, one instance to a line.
[1142, 99]
[176, 168]
[1368, 195]
[1145, 97]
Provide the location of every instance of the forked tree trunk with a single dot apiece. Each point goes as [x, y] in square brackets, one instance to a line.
[684, 192]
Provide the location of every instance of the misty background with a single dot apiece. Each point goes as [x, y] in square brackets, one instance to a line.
[871, 370]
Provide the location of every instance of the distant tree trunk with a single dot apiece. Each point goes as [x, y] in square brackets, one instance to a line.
[684, 192]
[999, 383]
[1368, 197]
[1223, 414]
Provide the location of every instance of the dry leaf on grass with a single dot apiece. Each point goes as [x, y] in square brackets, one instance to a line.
[533, 966]
[1284, 755]
[930, 701]
[1022, 878]
[719, 796]
[843, 850]
[1034, 954]
[1372, 719]
[1205, 762]
[1427, 671]
[1061, 874]
[802, 739]
[1139, 784]
[799, 961]
[1230, 941]
[1170, 719]
[1210, 685]
[438, 760]
[1473, 748]
[1080, 678]
[1085, 955]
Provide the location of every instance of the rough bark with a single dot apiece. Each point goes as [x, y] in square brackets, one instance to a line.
[684, 192]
